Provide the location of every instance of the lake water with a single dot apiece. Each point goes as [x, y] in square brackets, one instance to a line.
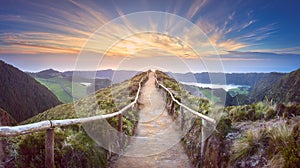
[213, 86]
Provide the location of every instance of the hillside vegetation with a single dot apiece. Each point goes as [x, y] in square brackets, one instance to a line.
[62, 88]
[6, 119]
[262, 134]
[286, 89]
[65, 88]
[73, 147]
[22, 96]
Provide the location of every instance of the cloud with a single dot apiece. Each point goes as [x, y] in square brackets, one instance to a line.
[144, 41]
[55, 30]
[194, 8]
[247, 24]
[40, 42]
[65, 28]
[289, 50]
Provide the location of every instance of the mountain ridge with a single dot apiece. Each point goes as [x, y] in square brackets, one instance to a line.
[21, 95]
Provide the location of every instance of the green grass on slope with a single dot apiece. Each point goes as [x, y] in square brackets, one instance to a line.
[56, 85]
[209, 95]
[241, 90]
[73, 147]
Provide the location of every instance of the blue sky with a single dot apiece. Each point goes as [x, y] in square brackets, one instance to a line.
[250, 36]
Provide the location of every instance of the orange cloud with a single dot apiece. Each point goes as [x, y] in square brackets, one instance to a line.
[145, 41]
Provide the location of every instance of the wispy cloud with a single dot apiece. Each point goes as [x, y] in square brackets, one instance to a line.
[247, 24]
[289, 50]
[131, 46]
[194, 8]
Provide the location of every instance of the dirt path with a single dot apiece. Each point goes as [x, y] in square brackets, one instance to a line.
[157, 141]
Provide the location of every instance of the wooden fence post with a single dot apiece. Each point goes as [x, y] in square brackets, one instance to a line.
[49, 148]
[120, 122]
[182, 117]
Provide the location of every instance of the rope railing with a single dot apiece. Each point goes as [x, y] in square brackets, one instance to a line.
[184, 106]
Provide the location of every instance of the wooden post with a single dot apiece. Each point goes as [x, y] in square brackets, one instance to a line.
[170, 105]
[182, 117]
[49, 148]
[203, 137]
[120, 122]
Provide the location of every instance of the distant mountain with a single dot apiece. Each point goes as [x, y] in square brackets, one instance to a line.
[6, 119]
[46, 74]
[116, 76]
[249, 79]
[279, 88]
[21, 95]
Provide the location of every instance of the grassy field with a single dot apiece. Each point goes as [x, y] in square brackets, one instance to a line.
[240, 90]
[62, 88]
[209, 95]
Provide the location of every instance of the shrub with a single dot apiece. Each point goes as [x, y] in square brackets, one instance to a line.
[284, 146]
[271, 113]
[248, 144]
[71, 148]
[224, 126]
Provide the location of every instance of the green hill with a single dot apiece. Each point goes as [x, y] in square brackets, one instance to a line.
[65, 88]
[278, 88]
[62, 88]
[22, 96]
[287, 89]
[73, 147]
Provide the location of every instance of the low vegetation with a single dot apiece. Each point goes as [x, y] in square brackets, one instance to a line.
[262, 134]
[62, 88]
[73, 147]
[23, 97]
[276, 146]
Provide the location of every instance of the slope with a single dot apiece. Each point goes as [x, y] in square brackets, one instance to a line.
[73, 147]
[278, 88]
[22, 96]
[6, 119]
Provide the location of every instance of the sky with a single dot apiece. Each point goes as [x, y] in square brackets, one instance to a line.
[172, 35]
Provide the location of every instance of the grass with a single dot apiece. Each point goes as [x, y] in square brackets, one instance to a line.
[262, 111]
[56, 89]
[209, 95]
[284, 146]
[56, 85]
[280, 142]
[240, 90]
[252, 112]
[248, 144]
[73, 147]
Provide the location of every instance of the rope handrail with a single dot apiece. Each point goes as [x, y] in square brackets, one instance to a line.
[44, 125]
[184, 106]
